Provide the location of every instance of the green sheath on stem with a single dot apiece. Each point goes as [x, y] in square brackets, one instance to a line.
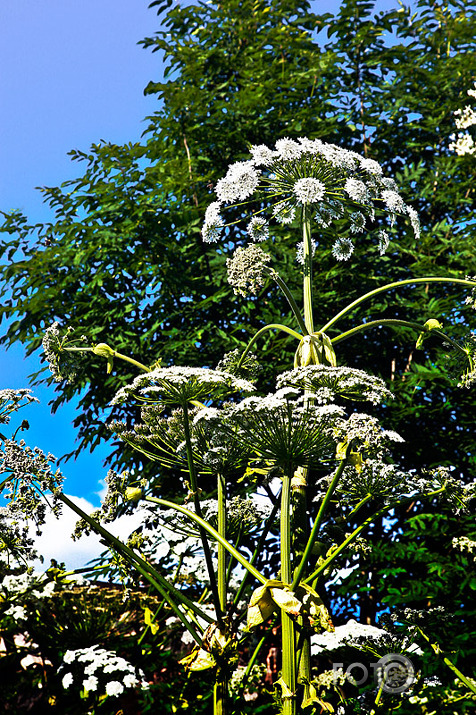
[287, 624]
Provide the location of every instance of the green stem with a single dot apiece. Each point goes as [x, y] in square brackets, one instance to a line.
[198, 511]
[448, 662]
[363, 526]
[125, 358]
[271, 326]
[149, 573]
[221, 548]
[250, 665]
[220, 692]
[389, 286]
[132, 361]
[256, 552]
[459, 674]
[287, 624]
[378, 698]
[317, 524]
[300, 528]
[231, 564]
[292, 303]
[307, 280]
[393, 322]
[208, 528]
[390, 322]
[359, 505]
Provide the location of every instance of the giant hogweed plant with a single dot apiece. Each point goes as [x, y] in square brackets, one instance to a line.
[321, 460]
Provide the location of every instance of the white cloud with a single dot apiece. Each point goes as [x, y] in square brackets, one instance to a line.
[55, 542]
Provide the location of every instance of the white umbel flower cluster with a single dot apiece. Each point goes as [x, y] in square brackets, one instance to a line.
[278, 427]
[179, 385]
[342, 636]
[325, 383]
[465, 545]
[247, 269]
[326, 181]
[463, 143]
[11, 401]
[97, 669]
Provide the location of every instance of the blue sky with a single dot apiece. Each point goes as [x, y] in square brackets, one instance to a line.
[72, 75]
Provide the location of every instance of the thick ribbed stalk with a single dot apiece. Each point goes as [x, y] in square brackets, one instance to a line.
[307, 281]
[198, 510]
[221, 548]
[317, 524]
[299, 483]
[220, 692]
[300, 532]
[287, 624]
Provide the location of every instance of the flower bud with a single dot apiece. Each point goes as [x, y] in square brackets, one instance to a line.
[315, 349]
[133, 494]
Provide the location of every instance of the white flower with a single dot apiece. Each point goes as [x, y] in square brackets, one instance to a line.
[130, 680]
[357, 220]
[211, 231]
[303, 173]
[383, 241]
[288, 149]
[463, 543]
[342, 249]
[371, 166]
[258, 229]
[309, 190]
[327, 641]
[393, 201]
[16, 612]
[67, 680]
[263, 155]
[357, 190]
[463, 144]
[114, 688]
[247, 269]
[284, 212]
[69, 656]
[175, 385]
[327, 382]
[213, 212]
[239, 183]
[465, 117]
[90, 683]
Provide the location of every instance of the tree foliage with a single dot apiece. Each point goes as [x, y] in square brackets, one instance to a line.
[123, 256]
